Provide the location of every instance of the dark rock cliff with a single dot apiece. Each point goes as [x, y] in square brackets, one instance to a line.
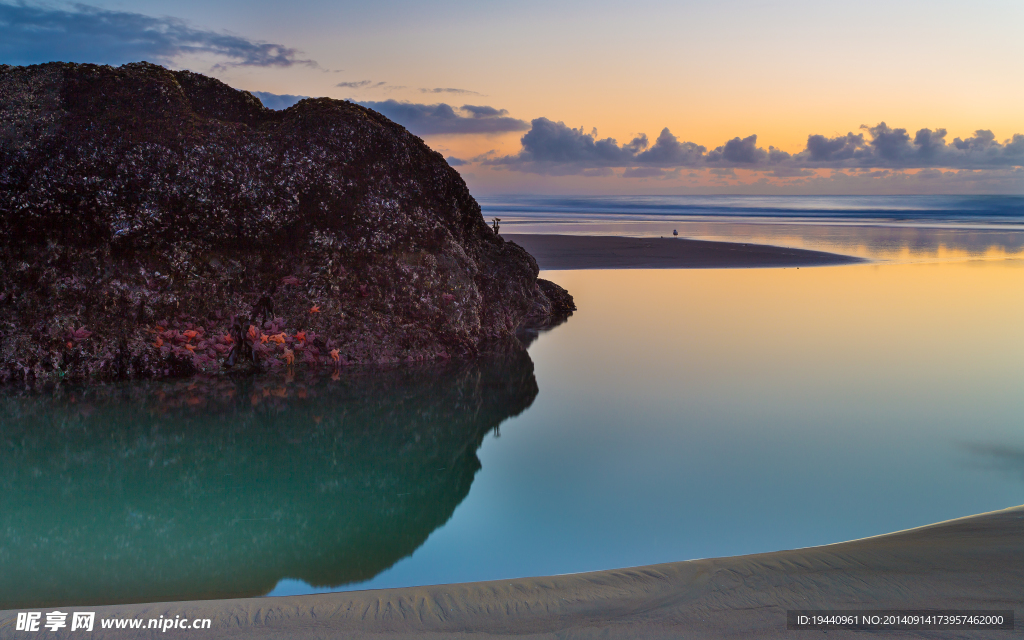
[157, 222]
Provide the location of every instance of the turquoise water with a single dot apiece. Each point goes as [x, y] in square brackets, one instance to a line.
[221, 488]
[678, 414]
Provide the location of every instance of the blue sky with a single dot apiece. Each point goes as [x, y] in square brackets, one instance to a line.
[737, 96]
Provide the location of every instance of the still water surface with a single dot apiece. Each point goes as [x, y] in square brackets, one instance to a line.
[690, 414]
[678, 414]
[220, 488]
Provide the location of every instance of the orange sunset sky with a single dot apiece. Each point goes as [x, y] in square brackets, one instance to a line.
[709, 72]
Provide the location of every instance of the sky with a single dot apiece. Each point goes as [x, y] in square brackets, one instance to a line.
[651, 96]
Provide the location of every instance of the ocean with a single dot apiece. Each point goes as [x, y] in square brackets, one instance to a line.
[877, 227]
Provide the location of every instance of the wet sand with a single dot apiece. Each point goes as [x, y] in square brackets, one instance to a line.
[616, 252]
[969, 563]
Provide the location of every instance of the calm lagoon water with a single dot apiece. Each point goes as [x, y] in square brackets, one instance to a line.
[678, 414]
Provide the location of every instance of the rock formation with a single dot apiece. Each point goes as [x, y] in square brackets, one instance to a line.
[157, 222]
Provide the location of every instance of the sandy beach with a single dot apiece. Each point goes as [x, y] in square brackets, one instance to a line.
[617, 252]
[968, 563]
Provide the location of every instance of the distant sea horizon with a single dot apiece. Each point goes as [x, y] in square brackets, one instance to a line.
[885, 228]
[927, 210]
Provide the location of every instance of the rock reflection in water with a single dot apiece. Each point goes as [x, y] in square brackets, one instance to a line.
[220, 488]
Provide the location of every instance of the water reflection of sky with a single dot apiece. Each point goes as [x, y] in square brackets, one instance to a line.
[700, 413]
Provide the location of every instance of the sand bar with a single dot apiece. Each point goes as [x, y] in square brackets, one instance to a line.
[969, 563]
[618, 252]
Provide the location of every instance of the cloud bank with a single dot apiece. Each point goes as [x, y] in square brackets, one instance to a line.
[553, 148]
[450, 90]
[424, 119]
[371, 85]
[362, 84]
[434, 119]
[31, 33]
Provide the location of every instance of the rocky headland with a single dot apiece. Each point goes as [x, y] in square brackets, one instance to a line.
[157, 223]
